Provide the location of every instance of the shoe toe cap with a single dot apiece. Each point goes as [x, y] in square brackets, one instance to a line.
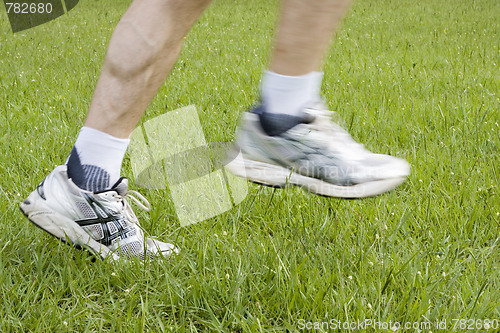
[161, 248]
[379, 166]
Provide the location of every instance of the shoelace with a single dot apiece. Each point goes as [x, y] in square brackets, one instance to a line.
[143, 203]
[325, 124]
[139, 200]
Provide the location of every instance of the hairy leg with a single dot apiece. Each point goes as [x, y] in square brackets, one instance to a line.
[141, 53]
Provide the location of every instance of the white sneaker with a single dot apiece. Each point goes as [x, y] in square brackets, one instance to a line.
[102, 222]
[316, 154]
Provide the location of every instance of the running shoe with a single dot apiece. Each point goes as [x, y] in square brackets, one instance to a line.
[102, 222]
[314, 152]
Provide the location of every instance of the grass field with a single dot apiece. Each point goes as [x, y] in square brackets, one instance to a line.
[416, 79]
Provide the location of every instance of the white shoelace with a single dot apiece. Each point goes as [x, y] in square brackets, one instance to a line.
[329, 129]
[139, 200]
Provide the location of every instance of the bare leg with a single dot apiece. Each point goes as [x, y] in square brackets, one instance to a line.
[141, 53]
[304, 33]
[294, 81]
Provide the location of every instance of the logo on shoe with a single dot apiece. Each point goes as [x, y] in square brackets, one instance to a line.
[105, 225]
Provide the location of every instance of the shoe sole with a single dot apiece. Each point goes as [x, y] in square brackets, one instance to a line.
[277, 176]
[62, 227]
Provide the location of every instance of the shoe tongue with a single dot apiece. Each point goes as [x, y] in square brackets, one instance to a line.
[121, 186]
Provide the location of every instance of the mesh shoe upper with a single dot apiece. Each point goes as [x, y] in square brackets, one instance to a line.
[106, 217]
[318, 148]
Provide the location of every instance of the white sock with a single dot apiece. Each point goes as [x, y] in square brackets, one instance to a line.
[289, 94]
[96, 159]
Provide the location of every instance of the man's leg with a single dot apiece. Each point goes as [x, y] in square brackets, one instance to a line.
[84, 202]
[142, 51]
[290, 138]
[304, 33]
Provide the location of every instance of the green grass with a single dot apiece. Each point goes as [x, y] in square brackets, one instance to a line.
[416, 79]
